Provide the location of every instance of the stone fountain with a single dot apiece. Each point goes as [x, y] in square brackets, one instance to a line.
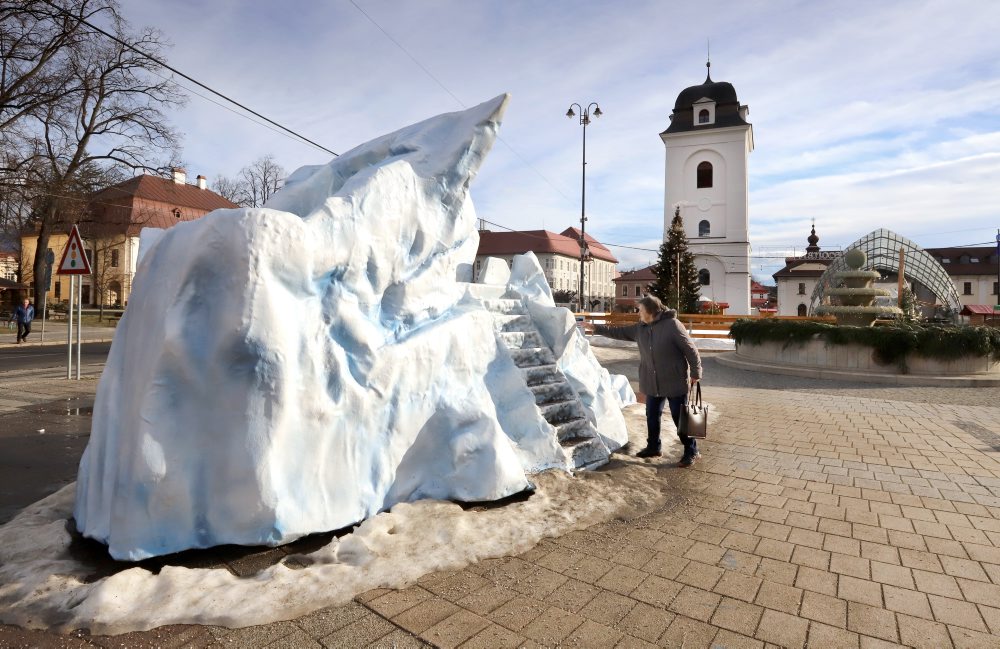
[856, 294]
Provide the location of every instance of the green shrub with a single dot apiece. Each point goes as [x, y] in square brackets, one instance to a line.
[891, 343]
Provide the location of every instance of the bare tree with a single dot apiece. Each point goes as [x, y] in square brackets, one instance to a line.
[255, 183]
[228, 188]
[107, 114]
[261, 179]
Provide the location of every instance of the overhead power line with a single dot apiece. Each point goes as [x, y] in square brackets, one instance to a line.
[167, 66]
[461, 103]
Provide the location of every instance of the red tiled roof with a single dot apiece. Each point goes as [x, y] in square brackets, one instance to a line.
[978, 309]
[594, 244]
[165, 190]
[537, 241]
[642, 274]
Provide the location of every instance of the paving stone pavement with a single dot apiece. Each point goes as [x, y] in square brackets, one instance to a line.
[821, 515]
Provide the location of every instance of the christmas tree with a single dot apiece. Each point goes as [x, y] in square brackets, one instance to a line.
[667, 272]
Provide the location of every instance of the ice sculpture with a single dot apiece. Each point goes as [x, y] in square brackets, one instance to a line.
[300, 367]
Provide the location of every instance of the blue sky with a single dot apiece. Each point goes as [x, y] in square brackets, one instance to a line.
[865, 114]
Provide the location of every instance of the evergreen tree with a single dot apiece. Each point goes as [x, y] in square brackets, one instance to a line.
[665, 286]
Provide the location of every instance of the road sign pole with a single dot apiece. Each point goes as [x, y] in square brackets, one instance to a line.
[79, 322]
[69, 334]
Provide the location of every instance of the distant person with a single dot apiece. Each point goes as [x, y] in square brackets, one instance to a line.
[667, 357]
[24, 315]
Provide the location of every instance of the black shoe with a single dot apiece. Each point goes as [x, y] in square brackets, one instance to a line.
[688, 460]
[649, 451]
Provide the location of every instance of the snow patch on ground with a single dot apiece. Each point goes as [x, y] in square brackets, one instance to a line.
[43, 586]
[703, 344]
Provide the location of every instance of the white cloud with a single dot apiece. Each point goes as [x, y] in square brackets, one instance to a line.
[865, 114]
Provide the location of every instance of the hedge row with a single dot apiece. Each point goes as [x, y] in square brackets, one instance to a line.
[891, 343]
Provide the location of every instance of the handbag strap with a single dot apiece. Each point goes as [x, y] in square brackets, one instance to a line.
[694, 395]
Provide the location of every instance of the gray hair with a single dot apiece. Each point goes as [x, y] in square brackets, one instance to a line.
[652, 304]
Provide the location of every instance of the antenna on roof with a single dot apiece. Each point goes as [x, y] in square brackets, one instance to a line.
[708, 59]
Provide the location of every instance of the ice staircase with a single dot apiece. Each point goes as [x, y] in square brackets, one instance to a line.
[555, 398]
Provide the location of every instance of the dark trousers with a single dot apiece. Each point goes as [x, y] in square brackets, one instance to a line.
[24, 327]
[654, 412]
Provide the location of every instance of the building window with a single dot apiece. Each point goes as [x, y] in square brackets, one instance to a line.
[975, 260]
[704, 229]
[964, 259]
[704, 277]
[624, 290]
[944, 260]
[114, 259]
[638, 291]
[802, 288]
[995, 289]
[967, 288]
[703, 116]
[704, 175]
[177, 213]
[802, 310]
[58, 290]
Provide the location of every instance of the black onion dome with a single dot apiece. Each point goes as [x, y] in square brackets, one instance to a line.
[721, 92]
[727, 107]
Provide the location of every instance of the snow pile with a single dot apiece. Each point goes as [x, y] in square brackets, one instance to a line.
[304, 366]
[44, 585]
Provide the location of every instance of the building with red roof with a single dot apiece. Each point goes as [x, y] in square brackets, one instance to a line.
[111, 231]
[559, 256]
[630, 286]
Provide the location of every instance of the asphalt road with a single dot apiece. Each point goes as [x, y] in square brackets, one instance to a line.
[37, 357]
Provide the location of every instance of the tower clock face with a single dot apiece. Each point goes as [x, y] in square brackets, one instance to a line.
[704, 204]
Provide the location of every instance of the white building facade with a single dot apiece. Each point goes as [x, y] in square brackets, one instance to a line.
[559, 257]
[708, 144]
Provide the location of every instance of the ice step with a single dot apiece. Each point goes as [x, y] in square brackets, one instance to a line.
[532, 356]
[585, 452]
[521, 339]
[513, 323]
[542, 375]
[578, 427]
[509, 307]
[551, 392]
[561, 412]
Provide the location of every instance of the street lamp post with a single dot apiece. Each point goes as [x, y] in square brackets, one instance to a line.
[584, 251]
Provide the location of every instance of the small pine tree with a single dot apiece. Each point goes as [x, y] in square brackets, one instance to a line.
[665, 286]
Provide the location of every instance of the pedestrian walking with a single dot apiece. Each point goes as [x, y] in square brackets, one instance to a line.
[24, 315]
[669, 365]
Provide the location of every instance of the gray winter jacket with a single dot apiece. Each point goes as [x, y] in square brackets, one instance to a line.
[665, 354]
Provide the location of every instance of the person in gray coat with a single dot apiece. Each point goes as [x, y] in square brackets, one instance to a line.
[669, 365]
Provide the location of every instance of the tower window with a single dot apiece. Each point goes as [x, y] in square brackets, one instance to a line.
[703, 116]
[704, 277]
[802, 310]
[704, 229]
[967, 288]
[802, 288]
[704, 175]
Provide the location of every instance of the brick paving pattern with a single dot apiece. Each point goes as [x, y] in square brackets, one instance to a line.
[821, 515]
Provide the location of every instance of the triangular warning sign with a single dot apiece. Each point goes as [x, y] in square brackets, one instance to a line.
[74, 260]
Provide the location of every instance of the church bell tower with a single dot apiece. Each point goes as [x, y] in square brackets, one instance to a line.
[708, 145]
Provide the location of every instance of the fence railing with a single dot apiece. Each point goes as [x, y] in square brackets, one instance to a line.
[698, 325]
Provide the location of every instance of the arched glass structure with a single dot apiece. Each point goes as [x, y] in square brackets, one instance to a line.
[882, 248]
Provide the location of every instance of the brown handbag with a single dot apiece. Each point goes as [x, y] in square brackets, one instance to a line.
[694, 415]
